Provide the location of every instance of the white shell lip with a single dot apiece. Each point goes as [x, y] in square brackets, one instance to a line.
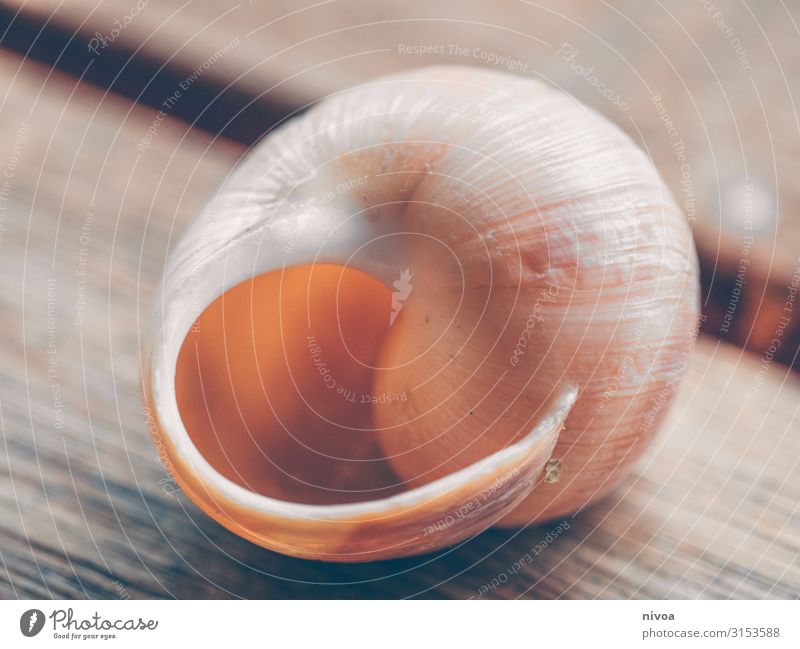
[162, 376]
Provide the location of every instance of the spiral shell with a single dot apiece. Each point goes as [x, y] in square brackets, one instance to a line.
[541, 293]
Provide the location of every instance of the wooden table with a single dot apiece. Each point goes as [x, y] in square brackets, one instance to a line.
[90, 207]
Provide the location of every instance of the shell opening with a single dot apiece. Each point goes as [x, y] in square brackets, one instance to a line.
[274, 384]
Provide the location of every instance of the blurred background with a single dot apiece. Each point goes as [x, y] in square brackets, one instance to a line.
[120, 118]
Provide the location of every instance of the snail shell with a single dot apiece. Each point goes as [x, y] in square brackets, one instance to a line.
[541, 287]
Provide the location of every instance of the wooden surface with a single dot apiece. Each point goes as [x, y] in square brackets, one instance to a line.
[727, 73]
[86, 510]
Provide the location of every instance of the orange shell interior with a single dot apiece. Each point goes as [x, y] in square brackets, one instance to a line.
[274, 384]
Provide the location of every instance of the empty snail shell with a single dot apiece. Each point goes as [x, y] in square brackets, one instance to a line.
[444, 300]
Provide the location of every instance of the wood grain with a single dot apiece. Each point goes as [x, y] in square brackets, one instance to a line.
[86, 510]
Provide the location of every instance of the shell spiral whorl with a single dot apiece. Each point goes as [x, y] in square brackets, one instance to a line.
[533, 252]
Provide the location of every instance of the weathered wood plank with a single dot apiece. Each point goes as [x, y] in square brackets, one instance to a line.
[86, 510]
